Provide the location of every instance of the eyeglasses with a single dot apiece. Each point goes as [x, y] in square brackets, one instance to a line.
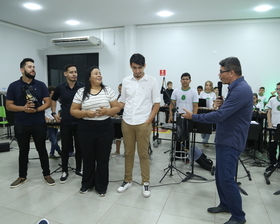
[277, 89]
[224, 71]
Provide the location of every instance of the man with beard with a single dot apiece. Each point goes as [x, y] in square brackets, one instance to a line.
[25, 97]
[65, 93]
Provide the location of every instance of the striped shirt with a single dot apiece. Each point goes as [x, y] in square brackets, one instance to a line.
[94, 102]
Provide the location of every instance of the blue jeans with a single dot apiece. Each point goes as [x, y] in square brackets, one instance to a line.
[205, 137]
[230, 198]
[53, 139]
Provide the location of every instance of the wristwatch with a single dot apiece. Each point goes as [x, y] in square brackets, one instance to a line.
[53, 113]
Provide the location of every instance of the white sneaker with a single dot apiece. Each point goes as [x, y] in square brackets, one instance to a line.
[124, 187]
[146, 190]
[115, 154]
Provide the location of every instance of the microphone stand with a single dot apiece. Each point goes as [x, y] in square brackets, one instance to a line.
[192, 175]
[170, 167]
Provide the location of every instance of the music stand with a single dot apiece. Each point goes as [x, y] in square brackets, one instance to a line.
[196, 127]
[277, 138]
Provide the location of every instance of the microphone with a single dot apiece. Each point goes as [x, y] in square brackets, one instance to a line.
[220, 86]
[162, 88]
[163, 81]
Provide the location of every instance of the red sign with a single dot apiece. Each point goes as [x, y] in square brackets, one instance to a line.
[162, 72]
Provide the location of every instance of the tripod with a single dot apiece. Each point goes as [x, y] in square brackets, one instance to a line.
[200, 128]
[60, 169]
[248, 174]
[276, 139]
[170, 167]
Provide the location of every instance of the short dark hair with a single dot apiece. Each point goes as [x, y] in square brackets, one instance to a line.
[138, 59]
[51, 88]
[199, 87]
[232, 63]
[262, 88]
[169, 82]
[120, 84]
[278, 84]
[68, 66]
[22, 63]
[186, 74]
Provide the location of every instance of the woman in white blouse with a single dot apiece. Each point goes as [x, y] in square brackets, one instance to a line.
[95, 104]
[210, 97]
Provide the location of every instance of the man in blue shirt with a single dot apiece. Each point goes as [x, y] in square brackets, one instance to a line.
[25, 97]
[233, 122]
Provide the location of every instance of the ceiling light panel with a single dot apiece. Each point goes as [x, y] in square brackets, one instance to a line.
[32, 6]
[164, 13]
[73, 22]
[263, 8]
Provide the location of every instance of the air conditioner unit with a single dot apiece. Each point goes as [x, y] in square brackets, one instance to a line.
[77, 41]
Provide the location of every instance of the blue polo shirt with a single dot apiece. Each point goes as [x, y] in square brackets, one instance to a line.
[234, 117]
[64, 94]
[16, 94]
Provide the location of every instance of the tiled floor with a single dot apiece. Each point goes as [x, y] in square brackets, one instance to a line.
[172, 201]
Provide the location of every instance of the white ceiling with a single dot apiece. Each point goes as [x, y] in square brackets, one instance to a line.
[96, 14]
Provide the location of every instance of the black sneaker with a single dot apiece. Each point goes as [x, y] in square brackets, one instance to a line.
[83, 190]
[52, 156]
[79, 173]
[102, 194]
[63, 178]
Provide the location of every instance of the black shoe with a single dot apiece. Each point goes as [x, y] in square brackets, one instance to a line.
[217, 210]
[102, 193]
[83, 190]
[52, 156]
[63, 178]
[235, 222]
[79, 173]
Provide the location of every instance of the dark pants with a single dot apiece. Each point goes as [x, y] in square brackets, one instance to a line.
[96, 139]
[230, 198]
[68, 132]
[23, 134]
[53, 139]
[272, 148]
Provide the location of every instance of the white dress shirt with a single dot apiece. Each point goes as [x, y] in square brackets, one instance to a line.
[139, 96]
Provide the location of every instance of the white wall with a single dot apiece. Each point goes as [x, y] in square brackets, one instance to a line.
[15, 44]
[196, 48]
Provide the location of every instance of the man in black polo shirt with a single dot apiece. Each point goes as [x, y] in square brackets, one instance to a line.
[65, 93]
[25, 97]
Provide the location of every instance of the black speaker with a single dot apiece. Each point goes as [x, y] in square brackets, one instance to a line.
[4, 147]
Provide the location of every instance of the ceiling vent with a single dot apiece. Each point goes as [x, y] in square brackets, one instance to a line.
[77, 41]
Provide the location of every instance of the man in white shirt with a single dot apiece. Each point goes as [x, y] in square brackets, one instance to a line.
[273, 119]
[262, 97]
[141, 101]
